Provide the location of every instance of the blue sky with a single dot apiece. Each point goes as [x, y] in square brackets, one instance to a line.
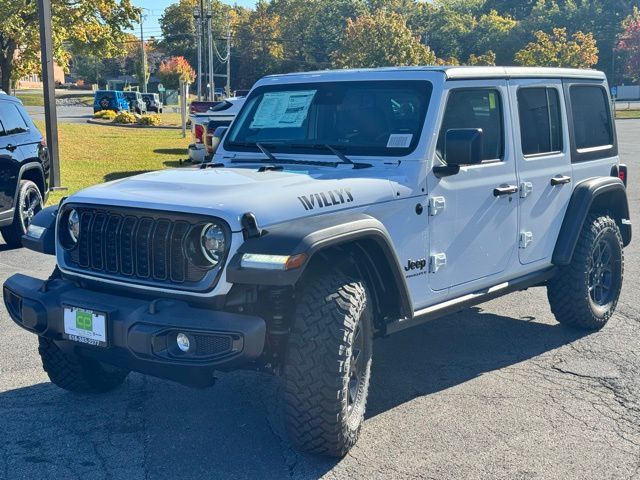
[156, 7]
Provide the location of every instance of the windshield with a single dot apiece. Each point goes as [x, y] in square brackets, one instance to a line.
[359, 118]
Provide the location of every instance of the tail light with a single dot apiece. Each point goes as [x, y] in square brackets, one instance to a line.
[620, 171]
[198, 131]
[43, 152]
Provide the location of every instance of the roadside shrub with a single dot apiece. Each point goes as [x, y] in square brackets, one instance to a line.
[151, 120]
[125, 117]
[105, 115]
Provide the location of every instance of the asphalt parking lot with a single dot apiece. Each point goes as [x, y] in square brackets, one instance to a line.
[497, 392]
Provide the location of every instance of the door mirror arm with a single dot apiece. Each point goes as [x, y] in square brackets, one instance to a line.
[441, 171]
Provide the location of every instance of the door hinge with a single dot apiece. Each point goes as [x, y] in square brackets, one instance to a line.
[436, 205]
[437, 261]
[525, 239]
[525, 189]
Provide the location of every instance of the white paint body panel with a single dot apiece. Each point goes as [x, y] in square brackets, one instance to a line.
[477, 232]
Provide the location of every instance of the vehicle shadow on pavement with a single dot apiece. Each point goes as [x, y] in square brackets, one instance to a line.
[150, 428]
[455, 349]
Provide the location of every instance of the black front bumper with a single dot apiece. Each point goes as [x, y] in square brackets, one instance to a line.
[141, 334]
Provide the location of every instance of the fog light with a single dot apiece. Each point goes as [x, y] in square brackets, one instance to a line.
[183, 342]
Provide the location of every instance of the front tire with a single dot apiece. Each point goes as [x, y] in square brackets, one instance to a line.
[77, 374]
[328, 366]
[28, 203]
[584, 294]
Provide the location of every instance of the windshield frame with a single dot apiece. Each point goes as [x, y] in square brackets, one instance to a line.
[280, 146]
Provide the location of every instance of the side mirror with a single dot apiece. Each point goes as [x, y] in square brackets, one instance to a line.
[218, 133]
[462, 146]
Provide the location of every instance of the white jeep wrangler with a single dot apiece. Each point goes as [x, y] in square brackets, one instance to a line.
[340, 206]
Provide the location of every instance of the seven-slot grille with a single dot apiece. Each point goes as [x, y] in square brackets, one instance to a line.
[140, 247]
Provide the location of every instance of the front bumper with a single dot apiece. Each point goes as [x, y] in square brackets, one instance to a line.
[140, 333]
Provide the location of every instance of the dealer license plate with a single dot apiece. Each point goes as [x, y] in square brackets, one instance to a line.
[85, 326]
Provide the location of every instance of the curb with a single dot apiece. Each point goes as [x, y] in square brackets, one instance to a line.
[130, 125]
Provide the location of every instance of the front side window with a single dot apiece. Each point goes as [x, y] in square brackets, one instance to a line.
[475, 108]
[11, 119]
[591, 117]
[360, 118]
[540, 121]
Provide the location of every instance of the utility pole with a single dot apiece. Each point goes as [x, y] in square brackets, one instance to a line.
[229, 59]
[198, 17]
[144, 56]
[212, 83]
[51, 119]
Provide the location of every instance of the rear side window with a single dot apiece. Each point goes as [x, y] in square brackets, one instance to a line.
[591, 117]
[540, 121]
[11, 119]
[475, 108]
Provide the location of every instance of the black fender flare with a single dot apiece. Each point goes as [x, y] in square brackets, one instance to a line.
[309, 236]
[607, 194]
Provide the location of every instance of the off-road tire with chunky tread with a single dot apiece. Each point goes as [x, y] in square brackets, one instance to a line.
[79, 375]
[568, 291]
[316, 373]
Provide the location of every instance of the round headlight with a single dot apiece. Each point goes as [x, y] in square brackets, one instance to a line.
[73, 221]
[213, 243]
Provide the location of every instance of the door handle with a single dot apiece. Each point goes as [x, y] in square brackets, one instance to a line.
[11, 148]
[560, 180]
[504, 190]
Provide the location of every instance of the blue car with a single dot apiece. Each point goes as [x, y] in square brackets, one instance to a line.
[110, 100]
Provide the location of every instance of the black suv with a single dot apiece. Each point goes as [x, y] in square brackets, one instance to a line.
[24, 170]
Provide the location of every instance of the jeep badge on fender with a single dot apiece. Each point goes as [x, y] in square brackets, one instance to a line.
[285, 255]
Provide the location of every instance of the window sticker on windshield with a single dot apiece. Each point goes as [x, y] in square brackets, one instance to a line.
[283, 109]
[492, 101]
[400, 140]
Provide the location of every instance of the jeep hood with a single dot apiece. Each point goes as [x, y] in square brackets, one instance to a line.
[228, 193]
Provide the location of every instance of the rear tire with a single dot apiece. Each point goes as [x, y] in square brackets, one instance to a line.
[328, 366]
[584, 294]
[78, 374]
[28, 203]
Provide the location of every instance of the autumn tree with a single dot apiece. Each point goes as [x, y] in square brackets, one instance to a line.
[258, 45]
[629, 44]
[174, 70]
[556, 50]
[79, 26]
[381, 39]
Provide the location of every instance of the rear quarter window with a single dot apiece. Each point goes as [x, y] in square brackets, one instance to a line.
[593, 129]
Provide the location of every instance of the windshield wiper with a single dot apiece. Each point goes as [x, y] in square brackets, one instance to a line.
[263, 147]
[264, 150]
[271, 158]
[344, 159]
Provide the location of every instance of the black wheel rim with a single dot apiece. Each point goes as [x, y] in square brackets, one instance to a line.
[601, 273]
[31, 204]
[356, 368]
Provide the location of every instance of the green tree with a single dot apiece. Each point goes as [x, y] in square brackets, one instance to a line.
[179, 32]
[258, 45]
[80, 26]
[381, 39]
[556, 50]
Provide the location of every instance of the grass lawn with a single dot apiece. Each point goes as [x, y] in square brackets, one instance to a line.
[627, 113]
[92, 154]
